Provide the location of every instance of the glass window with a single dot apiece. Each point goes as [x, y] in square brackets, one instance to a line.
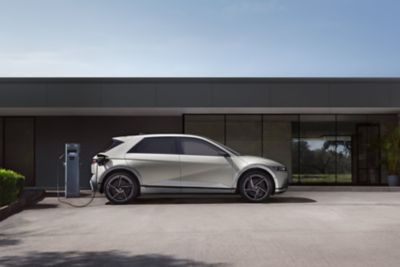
[349, 155]
[244, 133]
[375, 157]
[155, 145]
[317, 149]
[193, 146]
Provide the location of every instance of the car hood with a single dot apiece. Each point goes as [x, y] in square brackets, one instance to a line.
[260, 160]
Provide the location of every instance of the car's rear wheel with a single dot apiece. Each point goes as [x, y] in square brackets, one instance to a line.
[255, 186]
[121, 187]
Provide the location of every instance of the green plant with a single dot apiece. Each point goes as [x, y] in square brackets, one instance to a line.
[391, 151]
[11, 184]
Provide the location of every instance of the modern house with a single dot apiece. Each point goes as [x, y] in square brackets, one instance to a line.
[326, 130]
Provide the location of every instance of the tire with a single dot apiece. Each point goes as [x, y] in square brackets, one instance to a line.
[121, 188]
[255, 186]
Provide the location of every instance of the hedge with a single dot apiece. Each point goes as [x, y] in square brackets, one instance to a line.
[11, 184]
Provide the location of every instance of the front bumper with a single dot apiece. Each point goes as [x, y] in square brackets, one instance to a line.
[283, 182]
[280, 190]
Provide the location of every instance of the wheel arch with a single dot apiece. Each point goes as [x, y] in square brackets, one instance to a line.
[115, 169]
[263, 169]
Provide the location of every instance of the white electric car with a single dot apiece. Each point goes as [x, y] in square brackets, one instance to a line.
[182, 163]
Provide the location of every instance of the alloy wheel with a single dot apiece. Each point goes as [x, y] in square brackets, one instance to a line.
[256, 187]
[120, 188]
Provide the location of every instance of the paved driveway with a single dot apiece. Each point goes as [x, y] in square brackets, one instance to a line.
[295, 229]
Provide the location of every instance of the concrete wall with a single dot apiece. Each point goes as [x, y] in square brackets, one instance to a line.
[93, 133]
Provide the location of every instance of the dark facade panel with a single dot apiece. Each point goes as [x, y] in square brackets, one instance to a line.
[74, 94]
[128, 94]
[93, 133]
[22, 95]
[199, 92]
[359, 95]
[1, 143]
[298, 95]
[394, 95]
[239, 95]
[19, 147]
[183, 95]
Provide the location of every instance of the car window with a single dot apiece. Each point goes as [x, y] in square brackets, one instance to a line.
[193, 146]
[114, 143]
[155, 145]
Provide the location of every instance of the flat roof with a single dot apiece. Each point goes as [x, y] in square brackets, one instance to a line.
[152, 96]
[200, 79]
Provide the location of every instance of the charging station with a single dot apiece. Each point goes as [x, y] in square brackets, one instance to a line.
[72, 186]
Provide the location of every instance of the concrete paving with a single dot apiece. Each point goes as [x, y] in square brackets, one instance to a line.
[294, 229]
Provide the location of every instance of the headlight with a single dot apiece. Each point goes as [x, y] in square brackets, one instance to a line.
[279, 168]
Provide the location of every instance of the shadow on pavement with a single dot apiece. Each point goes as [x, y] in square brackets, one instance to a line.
[212, 200]
[104, 258]
[40, 206]
[13, 239]
[284, 200]
[61, 194]
[5, 241]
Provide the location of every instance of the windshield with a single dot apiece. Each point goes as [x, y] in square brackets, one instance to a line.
[228, 148]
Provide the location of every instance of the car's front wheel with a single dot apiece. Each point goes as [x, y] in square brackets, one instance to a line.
[121, 187]
[255, 186]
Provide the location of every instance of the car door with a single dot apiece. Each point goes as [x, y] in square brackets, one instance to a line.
[157, 161]
[203, 165]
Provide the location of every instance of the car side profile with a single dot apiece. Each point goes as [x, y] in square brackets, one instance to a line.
[182, 163]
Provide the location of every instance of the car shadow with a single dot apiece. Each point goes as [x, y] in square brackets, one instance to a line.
[210, 199]
[101, 258]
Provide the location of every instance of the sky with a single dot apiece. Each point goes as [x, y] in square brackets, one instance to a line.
[200, 38]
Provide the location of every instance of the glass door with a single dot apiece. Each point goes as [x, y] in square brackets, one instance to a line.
[368, 155]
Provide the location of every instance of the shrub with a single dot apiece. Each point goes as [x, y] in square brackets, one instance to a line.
[391, 151]
[11, 184]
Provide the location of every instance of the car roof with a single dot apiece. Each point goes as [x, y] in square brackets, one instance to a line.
[127, 137]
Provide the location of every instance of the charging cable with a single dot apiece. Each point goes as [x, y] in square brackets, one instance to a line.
[58, 191]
